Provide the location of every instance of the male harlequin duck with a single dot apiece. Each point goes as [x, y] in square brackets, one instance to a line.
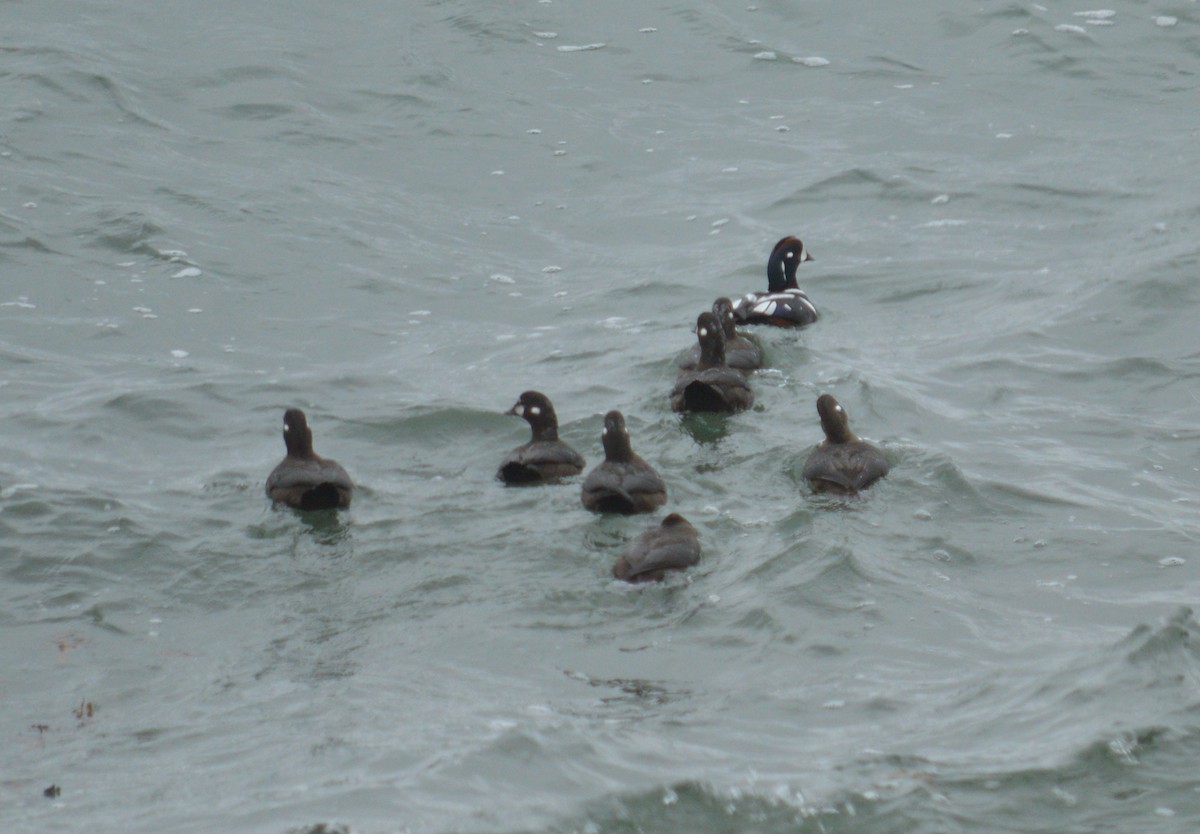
[784, 304]
[545, 457]
[713, 386]
[843, 464]
[672, 545]
[740, 352]
[623, 482]
[304, 480]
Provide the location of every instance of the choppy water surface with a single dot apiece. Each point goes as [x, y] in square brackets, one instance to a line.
[398, 217]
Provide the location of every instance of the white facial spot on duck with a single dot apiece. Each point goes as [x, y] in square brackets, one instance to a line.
[604, 432]
[703, 332]
[534, 410]
[286, 427]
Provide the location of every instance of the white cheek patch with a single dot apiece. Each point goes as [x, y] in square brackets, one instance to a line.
[535, 411]
[286, 427]
[604, 432]
[703, 332]
[838, 408]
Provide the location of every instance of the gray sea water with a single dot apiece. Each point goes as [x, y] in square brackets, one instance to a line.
[398, 216]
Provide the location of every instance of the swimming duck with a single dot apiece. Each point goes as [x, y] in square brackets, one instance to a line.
[843, 464]
[545, 457]
[740, 352]
[672, 545]
[304, 480]
[713, 386]
[784, 304]
[622, 482]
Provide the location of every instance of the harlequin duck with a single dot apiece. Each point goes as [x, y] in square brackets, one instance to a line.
[713, 386]
[304, 480]
[622, 482]
[545, 457]
[672, 545]
[784, 304]
[740, 352]
[843, 464]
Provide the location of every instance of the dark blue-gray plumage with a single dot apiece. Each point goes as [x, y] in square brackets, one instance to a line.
[784, 304]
